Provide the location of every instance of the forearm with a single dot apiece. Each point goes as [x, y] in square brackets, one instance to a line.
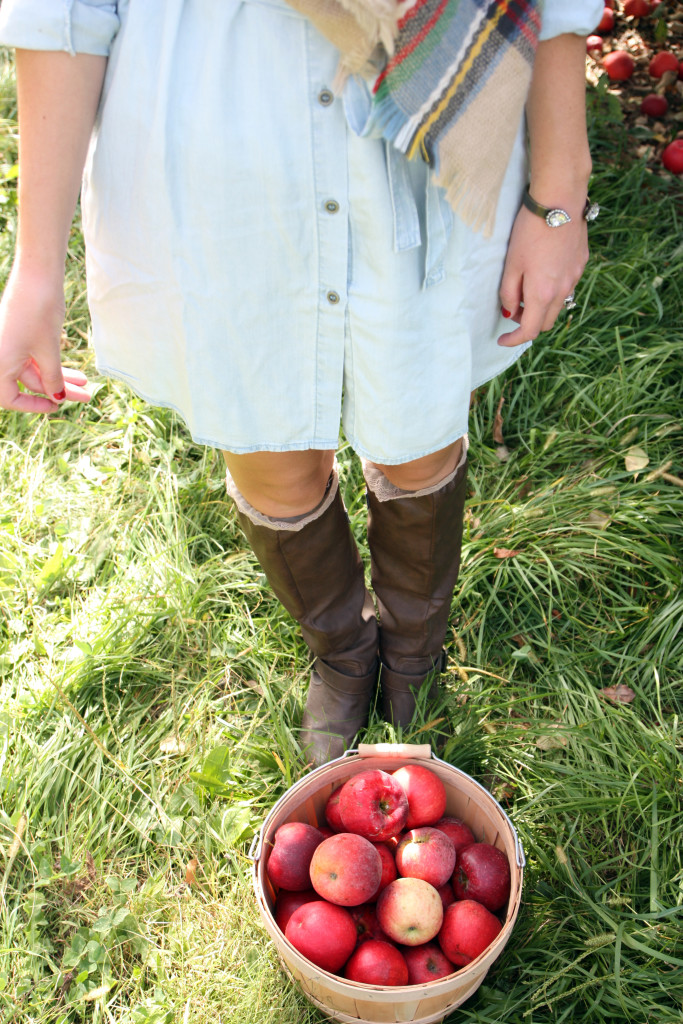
[556, 119]
[58, 96]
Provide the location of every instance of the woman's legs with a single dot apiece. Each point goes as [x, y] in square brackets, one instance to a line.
[292, 514]
[415, 521]
[291, 511]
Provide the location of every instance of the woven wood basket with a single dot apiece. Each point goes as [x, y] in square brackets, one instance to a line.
[349, 1001]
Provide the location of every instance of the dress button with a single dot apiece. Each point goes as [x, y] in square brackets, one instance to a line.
[332, 298]
[325, 97]
[331, 206]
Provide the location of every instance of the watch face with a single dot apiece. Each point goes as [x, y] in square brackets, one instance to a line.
[556, 218]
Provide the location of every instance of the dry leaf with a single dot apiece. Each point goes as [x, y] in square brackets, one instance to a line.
[636, 459]
[598, 519]
[171, 744]
[16, 843]
[620, 694]
[552, 741]
[502, 453]
[506, 552]
[191, 871]
[94, 993]
[498, 423]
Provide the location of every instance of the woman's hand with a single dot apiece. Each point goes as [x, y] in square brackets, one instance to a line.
[542, 268]
[31, 318]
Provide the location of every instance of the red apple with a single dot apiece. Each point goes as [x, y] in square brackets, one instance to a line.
[426, 963]
[426, 794]
[389, 872]
[482, 873]
[661, 62]
[467, 929]
[410, 911]
[377, 963]
[619, 65]
[460, 834]
[594, 45]
[672, 157]
[446, 893]
[332, 811]
[295, 843]
[654, 105]
[346, 869]
[373, 804]
[426, 853]
[287, 902]
[367, 925]
[606, 23]
[324, 933]
[636, 8]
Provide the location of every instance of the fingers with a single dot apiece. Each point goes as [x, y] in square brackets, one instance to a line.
[36, 399]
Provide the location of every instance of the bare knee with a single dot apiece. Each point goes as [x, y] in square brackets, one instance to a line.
[424, 472]
[281, 484]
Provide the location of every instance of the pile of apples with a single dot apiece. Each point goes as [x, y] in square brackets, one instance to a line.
[394, 892]
[665, 69]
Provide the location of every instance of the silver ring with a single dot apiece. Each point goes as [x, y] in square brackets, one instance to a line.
[569, 301]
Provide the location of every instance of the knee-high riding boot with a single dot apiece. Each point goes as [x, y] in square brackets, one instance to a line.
[314, 567]
[415, 540]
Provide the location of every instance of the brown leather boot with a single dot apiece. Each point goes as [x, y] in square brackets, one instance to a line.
[317, 574]
[415, 544]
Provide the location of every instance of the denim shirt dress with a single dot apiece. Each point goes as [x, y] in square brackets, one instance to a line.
[252, 262]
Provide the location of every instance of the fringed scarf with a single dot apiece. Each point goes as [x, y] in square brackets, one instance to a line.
[450, 82]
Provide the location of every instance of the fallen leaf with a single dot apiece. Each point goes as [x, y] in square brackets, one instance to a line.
[552, 741]
[635, 459]
[620, 694]
[172, 744]
[191, 871]
[17, 843]
[506, 552]
[498, 423]
[598, 519]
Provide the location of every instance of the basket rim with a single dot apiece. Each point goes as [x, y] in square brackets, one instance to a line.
[256, 848]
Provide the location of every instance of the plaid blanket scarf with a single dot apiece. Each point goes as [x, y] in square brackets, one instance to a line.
[450, 82]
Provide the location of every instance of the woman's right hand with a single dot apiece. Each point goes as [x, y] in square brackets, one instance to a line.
[31, 318]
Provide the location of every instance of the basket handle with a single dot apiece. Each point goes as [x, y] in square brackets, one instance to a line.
[419, 750]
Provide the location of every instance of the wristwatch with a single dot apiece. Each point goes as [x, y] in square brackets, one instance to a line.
[556, 217]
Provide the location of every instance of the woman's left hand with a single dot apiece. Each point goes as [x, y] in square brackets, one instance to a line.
[542, 268]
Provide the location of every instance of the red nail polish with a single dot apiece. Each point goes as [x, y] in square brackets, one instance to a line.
[506, 312]
[59, 396]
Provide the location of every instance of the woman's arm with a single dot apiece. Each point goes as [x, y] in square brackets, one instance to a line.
[544, 264]
[58, 96]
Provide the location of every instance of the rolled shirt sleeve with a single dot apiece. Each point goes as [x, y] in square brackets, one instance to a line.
[75, 26]
[579, 17]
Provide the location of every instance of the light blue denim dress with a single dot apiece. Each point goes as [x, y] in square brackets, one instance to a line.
[252, 262]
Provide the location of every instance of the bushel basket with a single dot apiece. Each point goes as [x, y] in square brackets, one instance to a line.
[350, 1001]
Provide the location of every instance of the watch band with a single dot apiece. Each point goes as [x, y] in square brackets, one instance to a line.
[555, 217]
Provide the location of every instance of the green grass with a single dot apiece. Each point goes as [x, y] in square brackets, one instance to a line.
[151, 687]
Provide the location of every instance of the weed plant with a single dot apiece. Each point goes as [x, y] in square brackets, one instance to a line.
[151, 686]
